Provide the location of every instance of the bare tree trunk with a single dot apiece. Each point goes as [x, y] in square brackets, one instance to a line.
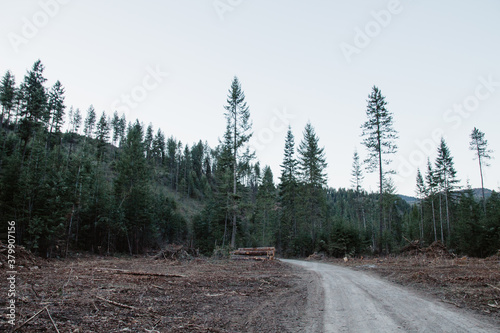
[381, 204]
[235, 155]
[434, 219]
[482, 184]
[441, 217]
[447, 214]
[421, 219]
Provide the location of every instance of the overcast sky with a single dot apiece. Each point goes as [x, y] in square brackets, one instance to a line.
[171, 63]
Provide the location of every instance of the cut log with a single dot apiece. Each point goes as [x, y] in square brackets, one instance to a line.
[239, 257]
[256, 249]
[121, 271]
[254, 253]
[251, 253]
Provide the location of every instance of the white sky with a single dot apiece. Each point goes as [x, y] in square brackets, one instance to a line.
[425, 56]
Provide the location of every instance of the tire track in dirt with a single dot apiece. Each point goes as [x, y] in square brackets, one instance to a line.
[358, 302]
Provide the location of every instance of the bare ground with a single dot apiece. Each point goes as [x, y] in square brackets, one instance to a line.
[109, 294]
[472, 284]
[97, 294]
[362, 302]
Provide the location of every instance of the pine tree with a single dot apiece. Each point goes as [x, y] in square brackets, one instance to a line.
[76, 120]
[287, 194]
[312, 166]
[90, 121]
[356, 173]
[479, 145]
[356, 183]
[158, 147]
[312, 162]
[56, 106]
[34, 102]
[102, 133]
[431, 185]
[132, 189]
[379, 136]
[148, 140]
[122, 126]
[421, 194]
[266, 201]
[115, 125]
[7, 96]
[238, 117]
[446, 177]
[56, 109]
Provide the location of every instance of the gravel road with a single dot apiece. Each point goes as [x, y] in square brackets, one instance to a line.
[358, 302]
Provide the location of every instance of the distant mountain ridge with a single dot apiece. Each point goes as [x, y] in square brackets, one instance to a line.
[478, 194]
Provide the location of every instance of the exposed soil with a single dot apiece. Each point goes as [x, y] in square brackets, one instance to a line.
[99, 294]
[141, 294]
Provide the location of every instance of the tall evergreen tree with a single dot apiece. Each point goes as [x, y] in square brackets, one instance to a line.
[34, 101]
[7, 95]
[90, 121]
[132, 190]
[479, 145]
[446, 177]
[378, 137]
[312, 166]
[102, 133]
[288, 193]
[356, 173]
[56, 109]
[158, 147]
[115, 125]
[238, 117]
[421, 194]
[148, 140]
[266, 201]
[431, 185]
[75, 120]
[312, 159]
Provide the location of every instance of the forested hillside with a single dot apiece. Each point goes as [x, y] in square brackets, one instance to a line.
[107, 184]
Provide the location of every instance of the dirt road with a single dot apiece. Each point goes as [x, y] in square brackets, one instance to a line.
[358, 302]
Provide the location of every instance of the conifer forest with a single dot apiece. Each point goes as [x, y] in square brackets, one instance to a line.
[91, 180]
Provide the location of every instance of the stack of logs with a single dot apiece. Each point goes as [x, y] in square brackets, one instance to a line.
[254, 253]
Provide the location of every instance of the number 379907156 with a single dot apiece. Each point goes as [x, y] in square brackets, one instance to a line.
[11, 242]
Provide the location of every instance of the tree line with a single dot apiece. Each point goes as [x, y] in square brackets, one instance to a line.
[99, 183]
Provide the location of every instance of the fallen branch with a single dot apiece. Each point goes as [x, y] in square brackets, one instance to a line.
[121, 271]
[116, 303]
[69, 278]
[30, 319]
[493, 286]
[52, 320]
